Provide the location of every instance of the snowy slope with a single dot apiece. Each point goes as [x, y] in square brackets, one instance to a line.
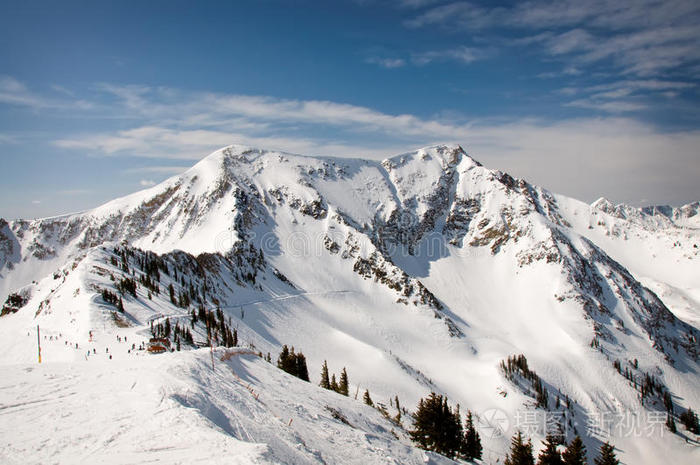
[660, 246]
[420, 273]
[176, 409]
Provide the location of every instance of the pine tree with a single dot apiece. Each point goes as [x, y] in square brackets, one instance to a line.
[292, 363]
[668, 402]
[437, 427]
[334, 383]
[690, 421]
[671, 424]
[607, 455]
[325, 382]
[283, 356]
[397, 418]
[520, 452]
[424, 421]
[343, 386]
[301, 369]
[575, 453]
[287, 361]
[471, 448]
[550, 455]
[367, 398]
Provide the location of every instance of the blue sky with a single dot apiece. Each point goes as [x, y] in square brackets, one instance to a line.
[99, 99]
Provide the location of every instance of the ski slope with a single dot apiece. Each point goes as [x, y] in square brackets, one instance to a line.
[177, 409]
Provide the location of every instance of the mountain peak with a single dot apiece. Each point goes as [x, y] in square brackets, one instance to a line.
[446, 155]
[603, 204]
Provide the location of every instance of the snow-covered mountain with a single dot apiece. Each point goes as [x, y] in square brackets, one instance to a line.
[420, 273]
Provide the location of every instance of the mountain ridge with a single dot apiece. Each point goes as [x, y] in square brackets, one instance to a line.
[425, 263]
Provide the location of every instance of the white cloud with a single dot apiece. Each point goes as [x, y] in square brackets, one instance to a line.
[461, 54]
[388, 63]
[164, 170]
[615, 106]
[149, 141]
[573, 40]
[147, 182]
[228, 114]
[457, 15]
[640, 37]
[623, 96]
[14, 92]
[62, 90]
[7, 139]
[616, 157]
[587, 158]
[416, 3]
[169, 143]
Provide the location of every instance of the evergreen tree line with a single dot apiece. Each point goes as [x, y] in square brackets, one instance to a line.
[517, 364]
[247, 260]
[151, 266]
[649, 386]
[162, 330]
[184, 297]
[179, 333]
[149, 283]
[182, 333]
[114, 299]
[218, 328]
[127, 285]
[438, 427]
[293, 363]
[149, 262]
[575, 453]
[341, 387]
